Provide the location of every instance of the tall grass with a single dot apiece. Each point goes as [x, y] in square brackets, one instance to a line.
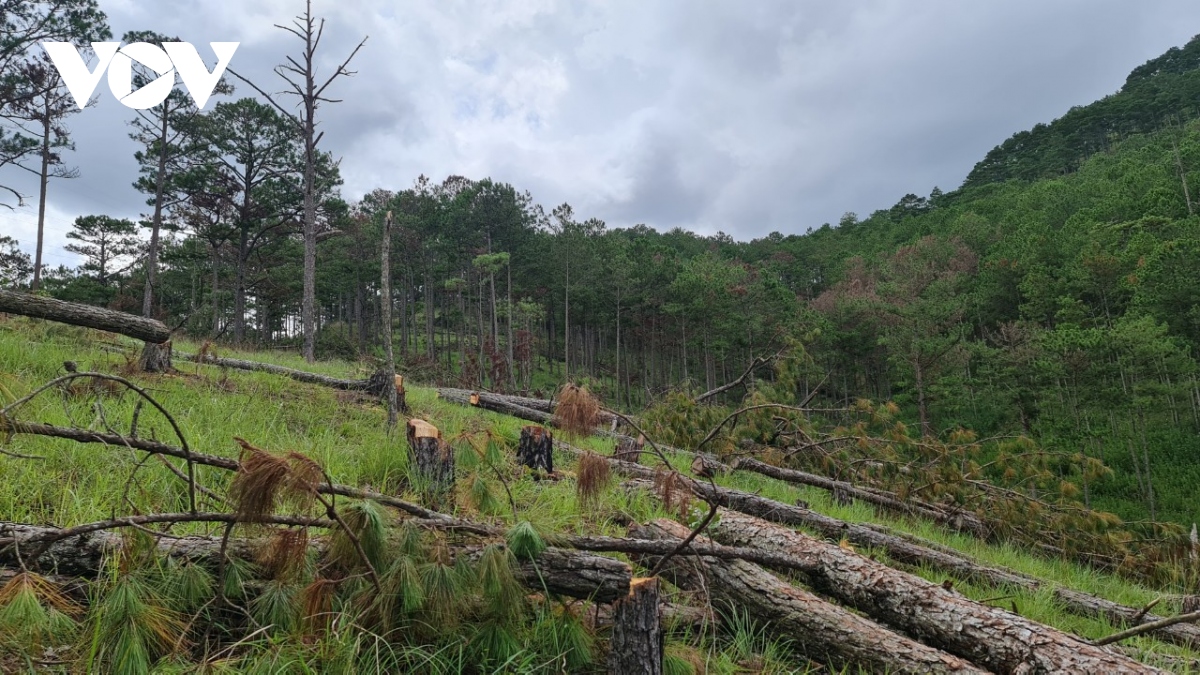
[345, 433]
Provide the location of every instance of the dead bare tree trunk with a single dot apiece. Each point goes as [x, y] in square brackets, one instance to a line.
[386, 315]
[303, 82]
[636, 647]
[536, 448]
[825, 632]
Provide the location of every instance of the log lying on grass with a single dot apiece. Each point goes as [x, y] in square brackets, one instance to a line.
[495, 404]
[298, 375]
[988, 636]
[156, 355]
[962, 521]
[908, 550]
[825, 632]
[562, 572]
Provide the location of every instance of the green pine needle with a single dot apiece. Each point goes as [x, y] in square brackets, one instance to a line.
[525, 541]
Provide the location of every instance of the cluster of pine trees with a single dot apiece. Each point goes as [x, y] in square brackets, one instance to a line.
[1054, 295]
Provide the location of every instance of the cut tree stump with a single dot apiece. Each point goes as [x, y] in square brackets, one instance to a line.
[433, 457]
[536, 449]
[155, 358]
[636, 647]
[629, 449]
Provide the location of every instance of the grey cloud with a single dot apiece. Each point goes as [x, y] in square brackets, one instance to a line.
[741, 117]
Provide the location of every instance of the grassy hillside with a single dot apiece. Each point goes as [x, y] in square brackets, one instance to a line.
[59, 482]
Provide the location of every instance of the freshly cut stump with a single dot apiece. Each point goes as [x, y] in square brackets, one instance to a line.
[536, 449]
[636, 647]
[433, 457]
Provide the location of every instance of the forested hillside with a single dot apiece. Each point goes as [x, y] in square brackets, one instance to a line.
[1060, 303]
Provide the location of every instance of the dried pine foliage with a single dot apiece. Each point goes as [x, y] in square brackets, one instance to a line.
[316, 603]
[264, 479]
[593, 477]
[674, 492]
[578, 411]
[207, 350]
[284, 555]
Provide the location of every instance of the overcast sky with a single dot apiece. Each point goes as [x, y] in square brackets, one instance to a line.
[741, 116]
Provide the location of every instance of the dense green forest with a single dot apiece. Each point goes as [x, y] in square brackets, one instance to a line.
[1053, 295]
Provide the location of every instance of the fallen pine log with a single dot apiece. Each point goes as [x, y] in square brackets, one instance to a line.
[996, 639]
[298, 375]
[905, 550]
[824, 632]
[495, 404]
[908, 550]
[87, 316]
[521, 402]
[959, 520]
[562, 572]
[156, 353]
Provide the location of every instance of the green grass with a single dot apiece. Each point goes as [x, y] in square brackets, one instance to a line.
[73, 483]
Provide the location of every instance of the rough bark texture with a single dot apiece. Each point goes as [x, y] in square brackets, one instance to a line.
[536, 448]
[561, 572]
[909, 550]
[636, 647]
[155, 358]
[433, 457]
[959, 520]
[576, 575]
[824, 632]
[140, 328]
[988, 636]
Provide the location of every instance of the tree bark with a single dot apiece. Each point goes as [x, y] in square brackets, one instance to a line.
[432, 457]
[636, 647]
[824, 632]
[536, 448]
[998, 640]
[156, 219]
[908, 550]
[76, 314]
[961, 521]
[44, 180]
[298, 375]
[155, 358]
[385, 307]
[561, 572]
